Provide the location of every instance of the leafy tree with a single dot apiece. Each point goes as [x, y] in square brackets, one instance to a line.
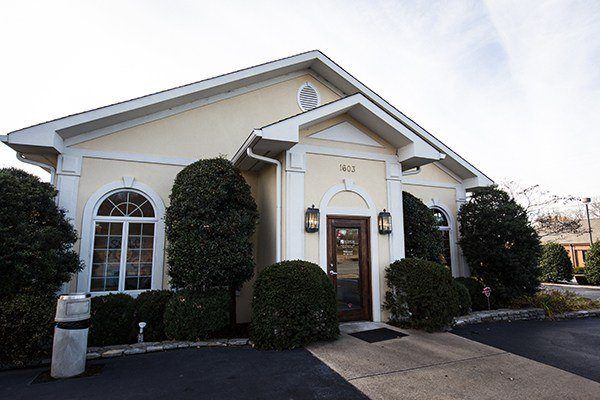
[499, 244]
[209, 225]
[422, 238]
[36, 239]
[555, 264]
[592, 264]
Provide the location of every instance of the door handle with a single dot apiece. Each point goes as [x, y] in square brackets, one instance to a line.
[332, 272]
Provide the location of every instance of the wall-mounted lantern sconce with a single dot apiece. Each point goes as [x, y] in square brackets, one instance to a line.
[384, 222]
[311, 219]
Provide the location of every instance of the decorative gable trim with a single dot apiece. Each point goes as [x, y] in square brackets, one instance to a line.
[347, 133]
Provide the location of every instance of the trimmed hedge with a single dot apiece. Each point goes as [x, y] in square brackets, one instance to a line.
[197, 315]
[475, 288]
[555, 264]
[592, 264]
[26, 328]
[421, 294]
[294, 304]
[112, 320]
[150, 308]
[463, 296]
[422, 237]
[209, 226]
[499, 244]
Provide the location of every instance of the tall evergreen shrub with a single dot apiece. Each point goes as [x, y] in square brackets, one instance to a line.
[422, 238]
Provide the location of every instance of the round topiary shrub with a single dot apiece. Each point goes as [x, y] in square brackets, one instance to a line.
[421, 294]
[197, 315]
[36, 238]
[555, 264]
[150, 308]
[463, 296]
[294, 304]
[422, 237]
[26, 327]
[592, 264]
[111, 320]
[209, 226]
[475, 288]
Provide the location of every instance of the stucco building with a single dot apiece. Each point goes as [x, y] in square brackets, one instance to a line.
[302, 130]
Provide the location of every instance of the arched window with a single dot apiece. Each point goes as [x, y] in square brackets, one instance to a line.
[124, 242]
[443, 224]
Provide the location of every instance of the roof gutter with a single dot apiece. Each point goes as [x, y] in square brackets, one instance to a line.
[42, 165]
[277, 164]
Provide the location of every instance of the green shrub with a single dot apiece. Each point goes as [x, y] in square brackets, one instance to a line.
[555, 264]
[463, 296]
[422, 238]
[421, 294]
[294, 304]
[35, 237]
[556, 302]
[209, 226]
[592, 264]
[499, 244]
[578, 270]
[197, 315]
[475, 288]
[112, 320]
[26, 328]
[150, 308]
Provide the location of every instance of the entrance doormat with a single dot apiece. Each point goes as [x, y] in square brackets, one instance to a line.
[378, 335]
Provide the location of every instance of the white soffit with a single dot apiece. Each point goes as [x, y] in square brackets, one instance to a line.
[347, 133]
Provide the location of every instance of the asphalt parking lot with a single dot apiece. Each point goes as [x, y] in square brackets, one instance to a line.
[207, 373]
[571, 345]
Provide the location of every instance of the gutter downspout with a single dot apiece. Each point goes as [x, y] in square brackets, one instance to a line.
[22, 158]
[278, 184]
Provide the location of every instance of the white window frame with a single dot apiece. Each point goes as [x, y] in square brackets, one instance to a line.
[90, 217]
[451, 235]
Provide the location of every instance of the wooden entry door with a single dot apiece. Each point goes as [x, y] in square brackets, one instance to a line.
[348, 261]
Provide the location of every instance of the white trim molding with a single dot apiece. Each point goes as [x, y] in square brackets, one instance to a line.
[349, 186]
[87, 231]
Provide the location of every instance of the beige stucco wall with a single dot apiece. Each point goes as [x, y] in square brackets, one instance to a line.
[323, 172]
[214, 129]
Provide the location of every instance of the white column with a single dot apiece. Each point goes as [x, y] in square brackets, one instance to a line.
[394, 194]
[295, 167]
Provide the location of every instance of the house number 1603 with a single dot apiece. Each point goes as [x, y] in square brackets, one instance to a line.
[347, 168]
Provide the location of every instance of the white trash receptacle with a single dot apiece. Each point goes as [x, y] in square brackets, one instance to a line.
[69, 348]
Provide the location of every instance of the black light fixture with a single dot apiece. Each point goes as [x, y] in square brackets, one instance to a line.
[311, 219]
[384, 222]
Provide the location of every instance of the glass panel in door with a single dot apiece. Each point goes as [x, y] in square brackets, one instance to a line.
[347, 253]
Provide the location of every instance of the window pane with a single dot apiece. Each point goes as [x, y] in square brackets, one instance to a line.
[145, 283]
[131, 283]
[139, 261]
[106, 262]
[134, 242]
[135, 229]
[101, 242]
[147, 209]
[116, 228]
[126, 203]
[132, 269]
[101, 228]
[148, 229]
[112, 284]
[440, 217]
[147, 242]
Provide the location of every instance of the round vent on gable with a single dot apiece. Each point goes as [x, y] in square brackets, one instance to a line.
[308, 97]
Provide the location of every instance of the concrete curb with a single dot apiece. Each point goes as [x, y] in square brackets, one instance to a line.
[150, 347]
[525, 314]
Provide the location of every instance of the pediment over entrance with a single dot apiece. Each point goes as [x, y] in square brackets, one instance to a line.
[347, 133]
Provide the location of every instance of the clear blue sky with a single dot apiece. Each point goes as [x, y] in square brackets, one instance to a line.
[513, 86]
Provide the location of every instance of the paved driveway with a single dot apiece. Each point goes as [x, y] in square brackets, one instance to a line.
[591, 292]
[446, 366]
[571, 345]
[207, 373]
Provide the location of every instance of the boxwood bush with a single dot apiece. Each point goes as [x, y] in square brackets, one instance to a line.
[192, 315]
[592, 264]
[150, 308]
[475, 288]
[555, 264]
[463, 297]
[421, 294]
[26, 328]
[294, 304]
[112, 320]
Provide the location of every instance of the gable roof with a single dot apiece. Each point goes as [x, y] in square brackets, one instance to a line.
[582, 236]
[51, 135]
